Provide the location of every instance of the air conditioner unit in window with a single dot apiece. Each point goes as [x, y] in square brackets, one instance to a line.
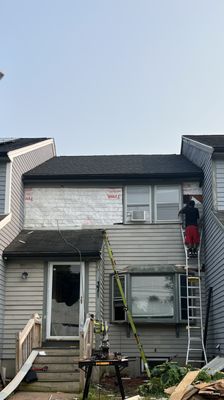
[137, 215]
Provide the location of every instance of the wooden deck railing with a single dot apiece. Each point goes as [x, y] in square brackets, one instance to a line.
[27, 340]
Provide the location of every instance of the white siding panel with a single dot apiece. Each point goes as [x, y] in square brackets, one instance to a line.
[72, 207]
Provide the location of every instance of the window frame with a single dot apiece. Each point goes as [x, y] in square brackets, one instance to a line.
[126, 204]
[152, 204]
[156, 203]
[176, 319]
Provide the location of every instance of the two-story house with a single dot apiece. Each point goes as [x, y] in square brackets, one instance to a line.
[207, 152]
[68, 202]
[17, 156]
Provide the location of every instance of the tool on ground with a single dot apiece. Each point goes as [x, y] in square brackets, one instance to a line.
[195, 327]
[129, 315]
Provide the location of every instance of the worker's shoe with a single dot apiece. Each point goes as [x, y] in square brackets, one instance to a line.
[190, 253]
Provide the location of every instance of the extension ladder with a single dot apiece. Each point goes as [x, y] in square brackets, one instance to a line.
[195, 347]
[129, 315]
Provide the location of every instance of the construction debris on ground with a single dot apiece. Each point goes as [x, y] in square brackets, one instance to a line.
[188, 389]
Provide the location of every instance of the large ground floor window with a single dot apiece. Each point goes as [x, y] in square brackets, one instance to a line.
[151, 298]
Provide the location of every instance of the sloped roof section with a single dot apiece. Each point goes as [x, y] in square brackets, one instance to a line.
[114, 166]
[85, 243]
[214, 141]
[7, 145]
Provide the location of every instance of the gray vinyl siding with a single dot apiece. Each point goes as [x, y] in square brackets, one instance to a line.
[213, 249]
[2, 187]
[156, 244]
[23, 298]
[20, 165]
[219, 175]
[2, 296]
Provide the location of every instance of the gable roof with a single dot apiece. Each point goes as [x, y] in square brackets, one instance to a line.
[214, 141]
[114, 166]
[85, 243]
[7, 145]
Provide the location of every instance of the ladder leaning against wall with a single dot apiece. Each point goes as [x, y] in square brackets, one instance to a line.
[195, 347]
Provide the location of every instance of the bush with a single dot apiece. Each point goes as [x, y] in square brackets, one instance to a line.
[162, 377]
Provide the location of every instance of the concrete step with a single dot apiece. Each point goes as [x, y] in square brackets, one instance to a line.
[62, 367]
[45, 360]
[58, 376]
[62, 375]
[67, 387]
[71, 351]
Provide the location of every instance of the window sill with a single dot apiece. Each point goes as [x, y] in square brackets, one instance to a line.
[151, 322]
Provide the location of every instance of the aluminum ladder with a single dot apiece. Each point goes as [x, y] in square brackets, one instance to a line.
[195, 346]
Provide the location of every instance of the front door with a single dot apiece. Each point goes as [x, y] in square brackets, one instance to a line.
[65, 308]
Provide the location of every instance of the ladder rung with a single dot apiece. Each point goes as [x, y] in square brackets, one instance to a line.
[193, 287]
[192, 317]
[196, 339]
[195, 307]
[193, 327]
[193, 278]
[195, 349]
[194, 297]
[198, 361]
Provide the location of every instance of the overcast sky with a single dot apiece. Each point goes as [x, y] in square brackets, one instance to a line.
[112, 76]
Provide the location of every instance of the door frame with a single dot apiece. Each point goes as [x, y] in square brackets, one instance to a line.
[49, 298]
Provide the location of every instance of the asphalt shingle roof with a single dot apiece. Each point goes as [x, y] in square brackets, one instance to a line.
[14, 144]
[215, 141]
[40, 243]
[68, 167]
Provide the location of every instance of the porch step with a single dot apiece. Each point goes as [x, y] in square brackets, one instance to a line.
[66, 387]
[63, 373]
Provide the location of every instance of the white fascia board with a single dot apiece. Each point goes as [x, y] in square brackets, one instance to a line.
[5, 220]
[8, 187]
[15, 153]
[199, 145]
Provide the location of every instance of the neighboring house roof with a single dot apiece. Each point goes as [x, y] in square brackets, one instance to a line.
[114, 166]
[48, 243]
[214, 141]
[7, 145]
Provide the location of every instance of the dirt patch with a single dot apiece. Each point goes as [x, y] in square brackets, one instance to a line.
[109, 385]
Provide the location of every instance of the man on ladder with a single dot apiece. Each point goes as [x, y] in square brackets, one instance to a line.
[192, 236]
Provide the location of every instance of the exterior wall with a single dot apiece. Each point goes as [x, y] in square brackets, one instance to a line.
[26, 297]
[213, 248]
[23, 298]
[2, 187]
[144, 245]
[219, 175]
[69, 207]
[20, 165]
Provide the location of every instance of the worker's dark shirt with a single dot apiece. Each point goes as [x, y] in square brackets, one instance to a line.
[191, 215]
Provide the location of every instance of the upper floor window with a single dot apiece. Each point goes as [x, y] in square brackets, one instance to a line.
[138, 203]
[152, 203]
[167, 203]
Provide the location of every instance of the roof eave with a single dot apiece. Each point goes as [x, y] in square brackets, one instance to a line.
[109, 177]
[28, 254]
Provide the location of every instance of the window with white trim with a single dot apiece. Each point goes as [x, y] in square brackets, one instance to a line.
[152, 298]
[167, 203]
[146, 204]
[138, 203]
